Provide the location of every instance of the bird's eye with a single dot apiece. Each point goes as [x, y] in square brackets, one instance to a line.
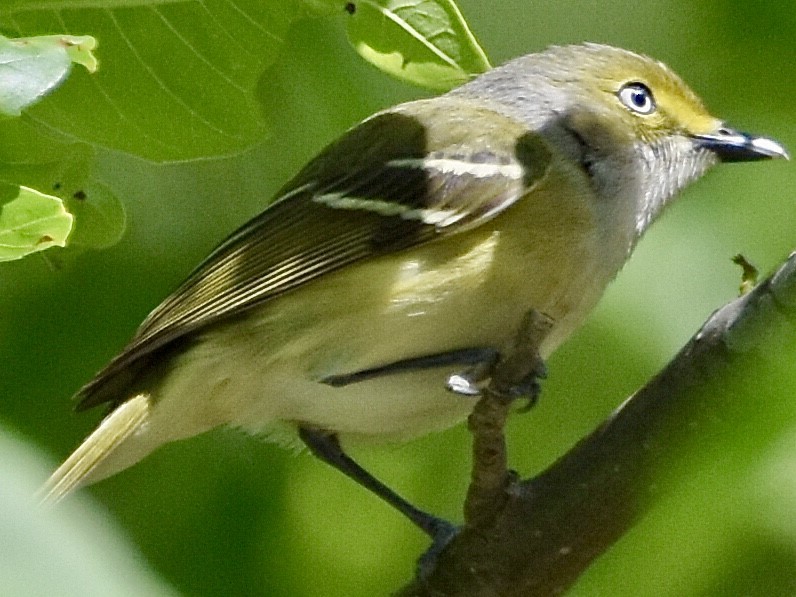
[637, 97]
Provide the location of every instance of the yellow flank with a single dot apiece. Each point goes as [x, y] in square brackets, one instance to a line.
[418, 286]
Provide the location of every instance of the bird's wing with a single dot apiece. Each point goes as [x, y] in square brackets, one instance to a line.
[399, 179]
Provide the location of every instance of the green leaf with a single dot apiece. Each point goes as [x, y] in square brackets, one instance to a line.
[65, 169]
[33, 157]
[323, 8]
[31, 67]
[99, 216]
[179, 79]
[32, 222]
[425, 42]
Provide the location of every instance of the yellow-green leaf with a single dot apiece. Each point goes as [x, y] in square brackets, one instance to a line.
[425, 42]
[31, 67]
[99, 216]
[322, 8]
[32, 222]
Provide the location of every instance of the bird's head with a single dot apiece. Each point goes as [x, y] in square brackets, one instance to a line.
[632, 124]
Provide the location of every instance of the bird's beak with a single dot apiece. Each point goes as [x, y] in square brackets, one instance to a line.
[733, 146]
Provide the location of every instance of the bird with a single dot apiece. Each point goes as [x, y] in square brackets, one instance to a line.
[406, 254]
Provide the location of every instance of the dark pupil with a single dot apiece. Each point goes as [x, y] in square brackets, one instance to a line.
[639, 98]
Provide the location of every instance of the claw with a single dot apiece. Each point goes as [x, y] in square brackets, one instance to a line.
[517, 376]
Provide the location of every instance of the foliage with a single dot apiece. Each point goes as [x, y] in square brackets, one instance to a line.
[200, 110]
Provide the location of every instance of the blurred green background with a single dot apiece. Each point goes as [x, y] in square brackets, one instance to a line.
[226, 514]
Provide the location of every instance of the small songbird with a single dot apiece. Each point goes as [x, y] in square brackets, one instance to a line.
[406, 252]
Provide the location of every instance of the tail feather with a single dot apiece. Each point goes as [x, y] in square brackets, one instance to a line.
[120, 424]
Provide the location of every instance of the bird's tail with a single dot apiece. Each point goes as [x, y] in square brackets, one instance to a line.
[119, 425]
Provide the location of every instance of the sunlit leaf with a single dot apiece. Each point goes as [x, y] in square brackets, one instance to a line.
[178, 79]
[425, 42]
[31, 67]
[32, 222]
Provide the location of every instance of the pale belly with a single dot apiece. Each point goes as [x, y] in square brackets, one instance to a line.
[269, 368]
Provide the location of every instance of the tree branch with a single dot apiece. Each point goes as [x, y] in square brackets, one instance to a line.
[545, 531]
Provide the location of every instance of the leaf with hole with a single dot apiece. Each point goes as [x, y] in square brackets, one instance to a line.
[31, 67]
[99, 216]
[425, 42]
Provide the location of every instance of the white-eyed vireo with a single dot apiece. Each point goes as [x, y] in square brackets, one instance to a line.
[406, 251]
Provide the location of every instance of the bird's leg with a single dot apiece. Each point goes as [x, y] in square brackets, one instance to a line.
[326, 446]
[515, 375]
[468, 382]
[496, 378]
[475, 356]
[518, 373]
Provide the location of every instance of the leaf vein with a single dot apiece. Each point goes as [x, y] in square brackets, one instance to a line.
[150, 71]
[413, 32]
